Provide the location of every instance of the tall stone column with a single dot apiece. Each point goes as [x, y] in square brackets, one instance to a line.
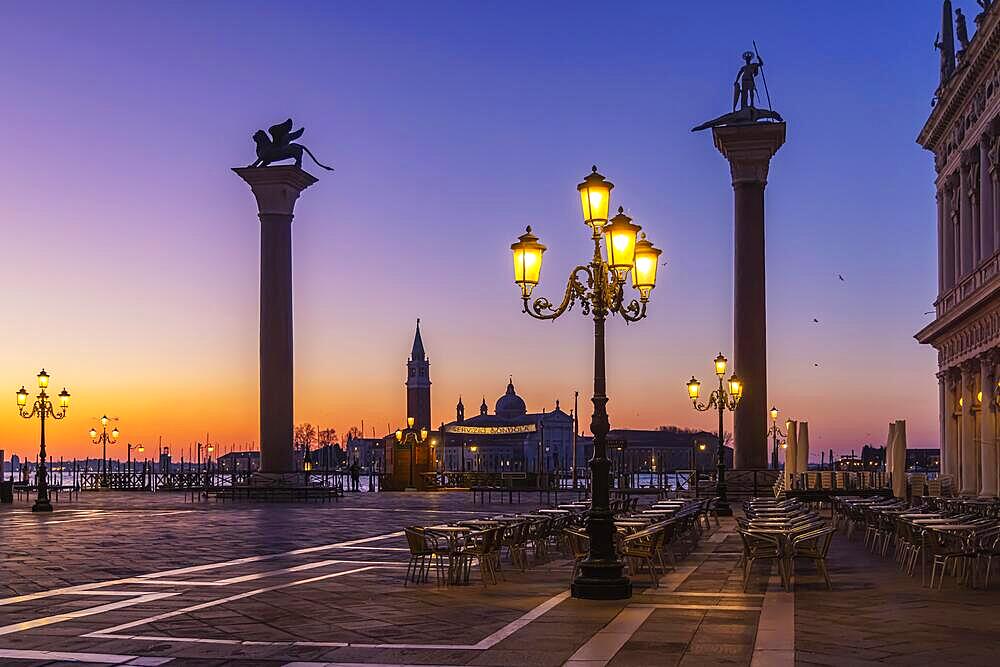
[948, 237]
[943, 417]
[951, 429]
[276, 189]
[987, 427]
[970, 468]
[749, 149]
[986, 203]
[941, 243]
[965, 223]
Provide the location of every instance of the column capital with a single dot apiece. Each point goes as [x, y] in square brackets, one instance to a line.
[749, 149]
[276, 188]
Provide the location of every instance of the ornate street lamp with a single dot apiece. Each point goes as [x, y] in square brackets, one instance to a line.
[413, 437]
[42, 408]
[599, 287]
[720, 400]
[104, 439]
[777, 436]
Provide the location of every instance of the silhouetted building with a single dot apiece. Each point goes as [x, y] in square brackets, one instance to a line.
[418, 384]
[664, 449]
[239, 461]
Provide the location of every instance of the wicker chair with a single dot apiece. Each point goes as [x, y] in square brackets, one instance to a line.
[484, 546]
[424, 550]
[644, 547]
[814, 546]
[761, 546]
[579, 546]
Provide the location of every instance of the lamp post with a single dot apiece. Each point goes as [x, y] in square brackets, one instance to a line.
[696, 464]
[103, 439]
[413, 437]
[720, 400]
[42, 408]
[599, 287]
[777, 436]
[139, 448]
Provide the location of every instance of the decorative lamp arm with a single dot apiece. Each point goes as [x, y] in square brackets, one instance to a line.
[575, 290]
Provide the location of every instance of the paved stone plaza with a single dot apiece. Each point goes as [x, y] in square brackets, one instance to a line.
[148, 579]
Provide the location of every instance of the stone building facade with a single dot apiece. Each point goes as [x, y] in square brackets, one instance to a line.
[963, 132]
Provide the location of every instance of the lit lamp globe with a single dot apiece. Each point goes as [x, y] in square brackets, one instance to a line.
[694, 388]
[22, 397]
[774, 413]
[43, 380]
[735, 387]
[64, 399]
[647, 258]
[619, 236]
[423, 434]
[141, 449]
[701, 446]
[114, 433]
[93, 432]
[595, 200]
[720, 365]
[104, 420]
[527, 261]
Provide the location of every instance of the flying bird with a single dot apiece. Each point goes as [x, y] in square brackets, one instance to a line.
[841, 277]
[815, 320]
[816, 365]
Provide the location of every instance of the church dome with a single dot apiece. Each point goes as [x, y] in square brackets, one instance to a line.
[510, 405]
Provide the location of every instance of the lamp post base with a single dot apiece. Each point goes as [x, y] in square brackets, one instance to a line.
[601, 581]
[722, 508]
[42, 505]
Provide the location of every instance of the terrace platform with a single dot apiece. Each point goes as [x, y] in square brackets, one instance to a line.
[149, 579]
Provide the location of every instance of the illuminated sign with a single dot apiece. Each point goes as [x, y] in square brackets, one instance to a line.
[491, 430]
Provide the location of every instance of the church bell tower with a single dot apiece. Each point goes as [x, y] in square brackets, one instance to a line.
[418, 384]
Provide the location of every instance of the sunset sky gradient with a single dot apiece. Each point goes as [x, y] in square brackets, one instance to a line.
[130, 254]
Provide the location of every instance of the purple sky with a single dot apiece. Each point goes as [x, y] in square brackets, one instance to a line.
[131, 258]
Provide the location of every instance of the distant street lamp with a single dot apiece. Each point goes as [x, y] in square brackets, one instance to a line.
[777, 436]
[42, 408]
[103, 439]
[414, 437]
[139, 448]
[720, 400]
[600, 293]
[696, 464]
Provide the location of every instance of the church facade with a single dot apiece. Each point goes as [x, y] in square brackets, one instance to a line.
[511, 439]
[963, 132]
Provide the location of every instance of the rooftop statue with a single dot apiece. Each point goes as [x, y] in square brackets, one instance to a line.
[961, 29]
[279, 146]
[745, 94]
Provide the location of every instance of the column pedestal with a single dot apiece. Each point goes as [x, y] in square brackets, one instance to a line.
[276, 189]
[749, 149]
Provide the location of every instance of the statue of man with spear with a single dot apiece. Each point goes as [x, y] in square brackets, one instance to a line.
[744, 88]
